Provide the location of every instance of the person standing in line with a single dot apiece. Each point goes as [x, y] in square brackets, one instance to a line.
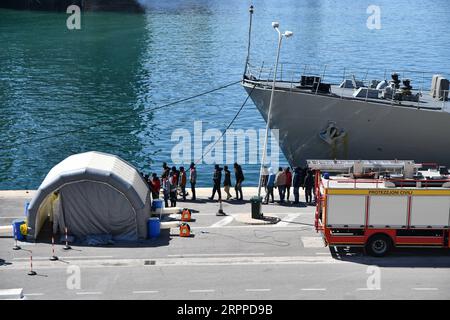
[296, 184]
[173, 187]
[269, 186]
[182, 182]
[227, 182]
[239, 175]
[176, 173]
[264, 177]
[193, 179]
[217, 179]
[166, 188]
[155, 186]
[147, 180]
[280, 183]
[309, 185]
[302, 177]
[288, 173]
[165, 167]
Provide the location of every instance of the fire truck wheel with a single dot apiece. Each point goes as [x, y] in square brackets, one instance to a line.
[379, 245]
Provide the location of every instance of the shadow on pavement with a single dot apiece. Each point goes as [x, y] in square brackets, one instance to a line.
[398, 258]
[163, 240]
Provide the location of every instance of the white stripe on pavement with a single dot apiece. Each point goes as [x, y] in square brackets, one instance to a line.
[34, 294]
[145, 291]
[66, 258]
[312, 242]
[214, 255]
[223, 222]
[426, 289]
[202, 290]
[313, 289]
[257, 290]
[286, 220]
[88, 292]
[368, 289]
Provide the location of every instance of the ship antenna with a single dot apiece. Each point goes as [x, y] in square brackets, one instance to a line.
[249, 39]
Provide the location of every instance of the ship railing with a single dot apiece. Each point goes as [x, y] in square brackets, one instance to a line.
[290, 74]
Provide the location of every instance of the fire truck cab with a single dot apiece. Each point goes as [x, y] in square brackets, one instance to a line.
[380, 205]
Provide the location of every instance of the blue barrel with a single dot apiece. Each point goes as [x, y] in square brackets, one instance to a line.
[16, 229]
[153, 227]
[157, 204]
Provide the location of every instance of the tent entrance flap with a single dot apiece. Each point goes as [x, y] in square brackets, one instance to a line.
[49, 209]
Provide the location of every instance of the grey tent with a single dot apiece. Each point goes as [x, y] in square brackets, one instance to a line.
[92, 193]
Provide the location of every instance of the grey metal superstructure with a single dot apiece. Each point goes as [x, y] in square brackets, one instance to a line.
[355, 120]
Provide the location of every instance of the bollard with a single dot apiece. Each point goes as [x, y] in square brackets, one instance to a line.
[220, 211]
[66, 247]
[31, 272]
[53, 257]
[16, 247]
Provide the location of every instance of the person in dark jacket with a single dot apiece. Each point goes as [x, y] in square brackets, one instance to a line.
[217, 178]
[165, 168]
[193, 179]
[309, 185]
[296, 184]
[227, 182]
[239, 179]
[173, 185]
[182, 182]
[176, 174]
[302, 176]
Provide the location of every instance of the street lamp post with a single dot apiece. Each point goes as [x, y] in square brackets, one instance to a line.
[286, 34]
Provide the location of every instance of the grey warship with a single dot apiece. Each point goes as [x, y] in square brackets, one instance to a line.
[398, 115]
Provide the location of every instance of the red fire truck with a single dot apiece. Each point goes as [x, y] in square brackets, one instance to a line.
[380, 205]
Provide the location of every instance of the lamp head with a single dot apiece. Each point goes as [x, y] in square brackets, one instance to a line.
[288, 34]
[275, 25]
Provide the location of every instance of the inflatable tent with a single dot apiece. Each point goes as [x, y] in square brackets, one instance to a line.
[92, 193]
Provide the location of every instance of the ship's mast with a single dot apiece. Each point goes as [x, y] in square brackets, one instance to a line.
[249, 39]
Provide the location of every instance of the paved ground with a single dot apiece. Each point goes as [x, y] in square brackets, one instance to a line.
[225, 259]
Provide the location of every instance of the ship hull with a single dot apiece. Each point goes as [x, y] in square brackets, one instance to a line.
[323, 127]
